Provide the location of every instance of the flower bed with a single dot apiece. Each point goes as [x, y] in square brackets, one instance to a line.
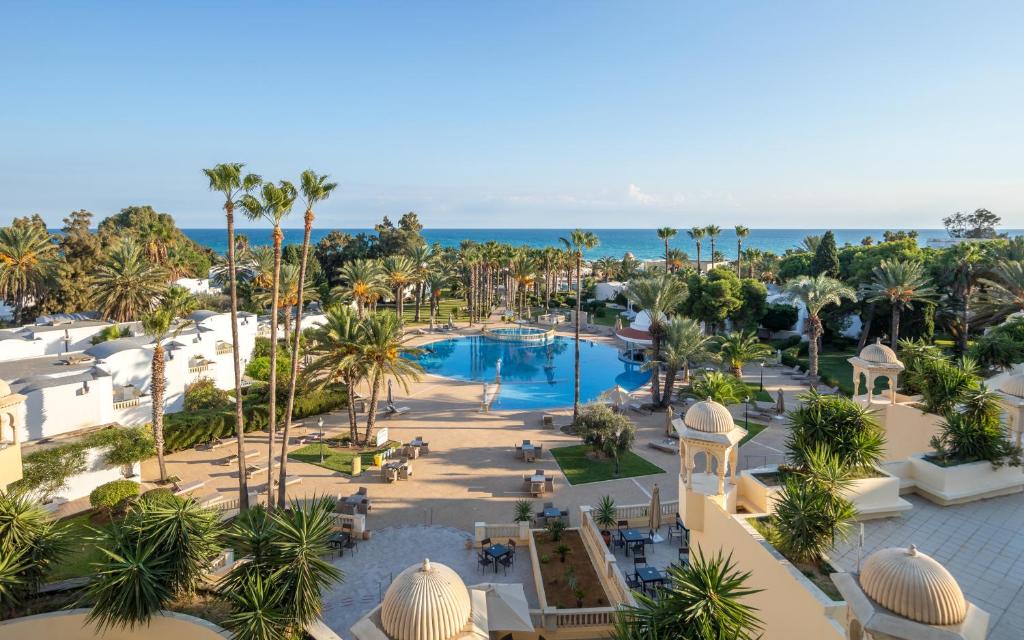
[947, 484]
[554, 573]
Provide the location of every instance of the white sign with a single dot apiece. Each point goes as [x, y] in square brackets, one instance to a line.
[382, 436]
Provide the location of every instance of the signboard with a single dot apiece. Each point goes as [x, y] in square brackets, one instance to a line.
[382, 436]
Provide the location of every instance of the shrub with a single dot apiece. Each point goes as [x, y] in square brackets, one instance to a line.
[976, 433]
[942, 384]
[785, 343]
[723, 388]
[780, 317]
[203, 394]
[160, 494]
[605, 515]
[524, 511]
[112, 332]
[109, 496]
[839, 424]
[605, 430]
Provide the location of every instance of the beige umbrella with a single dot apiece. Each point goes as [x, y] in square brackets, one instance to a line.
[618, 324]
[617, 396]
[506, 606]
[669, 429]
[780, 404]
[654, 511]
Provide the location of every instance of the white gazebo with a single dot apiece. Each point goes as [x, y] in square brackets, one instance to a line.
[708, 428]
[876, 361]
[1011, 396]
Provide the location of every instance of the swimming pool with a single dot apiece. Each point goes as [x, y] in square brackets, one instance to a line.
[533, 376]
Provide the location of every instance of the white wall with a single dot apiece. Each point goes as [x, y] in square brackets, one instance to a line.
[97, 473]
[79, 338]
[19, 349]
[194, 285]
[53, 411]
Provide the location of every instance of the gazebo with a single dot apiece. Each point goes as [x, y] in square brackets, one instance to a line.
[1011, 396]
[708, 428]
[876, 361]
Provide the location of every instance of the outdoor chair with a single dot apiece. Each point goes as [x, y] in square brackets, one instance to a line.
[506, 562]
[362, 491]
[486, 542]
[684, 555]
[529, 455]
[623, 524]
[549, 484]
[633, 581]
[526, 442]
[404, 472]
[538, 450]
[541, 519]
[547, 422]
[549, 505]
[638, 549]
[538, 472]
[483, 561]
[639, 561]
[537, 489]
[351, 543]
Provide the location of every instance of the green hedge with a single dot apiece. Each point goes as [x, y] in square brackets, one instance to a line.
[186, 429]
[108, 496]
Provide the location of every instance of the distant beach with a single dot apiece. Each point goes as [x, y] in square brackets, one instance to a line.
[643, 243]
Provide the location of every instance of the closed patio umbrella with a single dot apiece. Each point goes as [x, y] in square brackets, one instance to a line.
[669, 429]
[391, 394]
[618, 324]
[654, 512]
[780, 404]
[506, 606]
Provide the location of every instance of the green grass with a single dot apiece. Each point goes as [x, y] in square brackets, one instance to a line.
[77, 561]
[752, 430]
[339, 460]
[444, 306]
[579, 468]
[759, 394]
[605, 316]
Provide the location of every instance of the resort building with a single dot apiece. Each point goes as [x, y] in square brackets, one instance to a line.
[11, 410]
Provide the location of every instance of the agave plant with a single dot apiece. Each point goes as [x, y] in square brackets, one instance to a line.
[524, 511]
[30, 543]
[975, 432]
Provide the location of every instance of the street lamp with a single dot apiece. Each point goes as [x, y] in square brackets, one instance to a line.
[762, 376]
[746, 412]
[320, 424]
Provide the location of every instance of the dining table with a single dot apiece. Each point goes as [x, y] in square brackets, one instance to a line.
[497, 551]
[632, 536]
[552, 512]
[650, 575]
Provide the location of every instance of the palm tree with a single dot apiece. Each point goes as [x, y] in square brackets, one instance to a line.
[383, 352]
[666, 234]
[738, 348]
[272, 204]
[161, 324]
[335, 348]
[549, 258]
[435, 284]
[712, 232]
[28, 258]
[723, 388]
[965, 260]
[816, 293]
[1004, 290]
[683, 342]
[523, 269]
[399, 271]
[704, 602]
[423, 259]
[697, 235]
[900, 283]
[578, 242]
[361, 282]
[741, 233]
[127, 285]
[227, 180]
[658, 295]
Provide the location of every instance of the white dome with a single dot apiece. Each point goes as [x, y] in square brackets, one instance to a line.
[426, 602]
[879, 354]
[710, 417]
[642, 321]
[913, 585]
[1014, 385]
[5, 389]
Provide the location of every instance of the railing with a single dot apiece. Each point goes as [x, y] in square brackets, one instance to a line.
[199, 368]
[223, 349]
[596, 617]
[608, 567]
[229, 507]
[516, 530]
[633, 512]
[127, 404]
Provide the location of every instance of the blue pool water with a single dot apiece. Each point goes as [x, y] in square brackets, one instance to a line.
[533, 376]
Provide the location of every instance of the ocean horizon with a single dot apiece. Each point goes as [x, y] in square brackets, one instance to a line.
[643, 243]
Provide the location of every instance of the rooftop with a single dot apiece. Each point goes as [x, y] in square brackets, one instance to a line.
[13, 370]
[74, 324]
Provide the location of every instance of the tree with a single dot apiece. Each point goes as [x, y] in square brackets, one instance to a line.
[980, 224]
[811, 512]
[704, 602]
[900, 283]
[607, 432]
[714, 298]
[683, 342]
[697, 235]
[160, 323]
[31, 543]
[753, 302]
[816, 293]
[578, 242]
[741, 233]
[658, 295]
[227, 179]
[737, 348]
[127, 284]
[273, 203]
[848, 429]
[1003, 292]
[722, 388]
[962, 266]
[28, 259]
[399, 271]
[81, 252]
[362, 282]
[826, 257]
[780, 317]
[335, 346]
[383, 352]
[712, 232]
[423, 260]
[666, 234]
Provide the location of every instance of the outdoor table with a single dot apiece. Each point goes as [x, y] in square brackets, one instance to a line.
[338, 541]
[552, 512]
[537, 478]
[649, 575]
[631, 536]
[497, 551]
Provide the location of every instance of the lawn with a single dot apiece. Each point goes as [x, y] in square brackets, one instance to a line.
[752, 430]
[580, 468]
[78, 559]
[444, 306]
[336, 459]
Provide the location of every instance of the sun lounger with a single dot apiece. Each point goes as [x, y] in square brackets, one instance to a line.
[547, 421]
[253, 469]
[395, 411]
[668, 446]
[188, 487]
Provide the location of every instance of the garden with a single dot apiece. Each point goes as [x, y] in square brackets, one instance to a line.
[570, 581]
[338, 454]
[605, 454]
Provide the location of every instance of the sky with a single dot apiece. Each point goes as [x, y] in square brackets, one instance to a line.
[522, 114]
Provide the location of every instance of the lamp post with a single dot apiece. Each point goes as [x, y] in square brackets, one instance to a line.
[320, 425]
[746, 412]
[762, 376]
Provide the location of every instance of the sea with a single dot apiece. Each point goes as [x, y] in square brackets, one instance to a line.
[644, 244]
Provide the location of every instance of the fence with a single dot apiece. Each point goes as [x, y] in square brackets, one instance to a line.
[229, 508]
[518, 531]
[637, 513]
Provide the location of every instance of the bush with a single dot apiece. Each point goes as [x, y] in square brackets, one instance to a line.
[780, 317]
[838, 424]
[976, 433]
[111, 495]
[203, 394]
[605, 430]
[785, 343]
[160, 494]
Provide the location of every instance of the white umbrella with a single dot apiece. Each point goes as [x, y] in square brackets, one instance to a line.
[507, 608]
[617, 396]
[780, 404]
[391, 394]
[654, 512]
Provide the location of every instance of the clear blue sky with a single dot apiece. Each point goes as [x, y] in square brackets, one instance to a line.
[545, 114]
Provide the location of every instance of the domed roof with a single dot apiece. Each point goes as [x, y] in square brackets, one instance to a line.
[5, 389]
[879, 353]
[913, 585]
[1014, 385]
[426, 602]
[710, 417]
[642, 321]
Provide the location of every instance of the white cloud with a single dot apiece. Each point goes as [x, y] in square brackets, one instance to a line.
[637, 195]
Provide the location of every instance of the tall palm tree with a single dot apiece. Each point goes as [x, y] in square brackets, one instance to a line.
[704, 602]
[697, 235]
[1004, 289]
[272, 203]
[666, 234]
[741, 233]
[362, 282]
[712, 232]
[399, 271]
[383, 352]
[523, 270]
[161, 324]
[227, 179]
[335, 347]
[966, 261]
[578, 242]
[738, 348]
[816, 293]
[549, 258]
[423, 259]
[900, 283]
[658, 295]
[435, 283]
[127, 285]
[28, 257]
[683, 342]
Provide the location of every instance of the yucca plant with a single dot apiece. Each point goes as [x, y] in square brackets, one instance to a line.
[975, 432]
[848, 429]
[524, 511]
[605, 515]
[723, 388]
[30, 543]
[257, 613]
[808, 519]
[942, 384]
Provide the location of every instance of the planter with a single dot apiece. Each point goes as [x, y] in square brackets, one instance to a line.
[607, 537]
[957, 484]
[873, 497]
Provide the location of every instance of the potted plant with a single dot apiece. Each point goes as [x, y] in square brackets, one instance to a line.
[605, 517]
[524, 511]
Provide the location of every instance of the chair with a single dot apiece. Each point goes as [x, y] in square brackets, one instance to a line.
[549, 484]
[538, 472]
[633, 581]
[639, 561]
[650, 535]
[506, 561]
[549, 505]
[623, 524]
[424, 449]
[486, 542]
[483, 560]
[538, 450]
[684, 555]
[362, 491]
[526, 442]
[638, 549]
[675, 531]
[404, 472]
[541, 519]
[351, 543]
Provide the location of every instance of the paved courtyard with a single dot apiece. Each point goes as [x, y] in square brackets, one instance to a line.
[981, 543]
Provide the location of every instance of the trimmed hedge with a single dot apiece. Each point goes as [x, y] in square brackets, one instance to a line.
[188, 428]
[108, 496]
